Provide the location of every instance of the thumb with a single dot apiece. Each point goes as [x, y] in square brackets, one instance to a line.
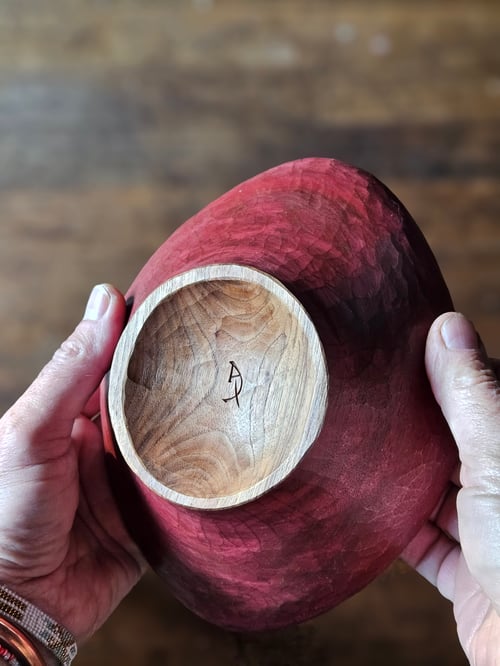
[47, 410]
[466, 387]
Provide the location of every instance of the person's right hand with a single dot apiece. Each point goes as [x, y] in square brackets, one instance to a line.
[459, 549]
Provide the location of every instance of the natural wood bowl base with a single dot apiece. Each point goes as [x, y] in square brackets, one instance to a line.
[219, 387]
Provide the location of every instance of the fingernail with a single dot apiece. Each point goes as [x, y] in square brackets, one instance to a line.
[98, 303]
[458, 333]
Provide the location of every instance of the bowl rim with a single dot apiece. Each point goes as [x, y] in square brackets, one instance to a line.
[119, 371]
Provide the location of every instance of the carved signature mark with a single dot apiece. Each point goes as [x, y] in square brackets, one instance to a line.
[236, 378]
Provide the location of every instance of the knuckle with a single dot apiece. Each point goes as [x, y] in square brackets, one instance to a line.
[75, 348]
[475, 382]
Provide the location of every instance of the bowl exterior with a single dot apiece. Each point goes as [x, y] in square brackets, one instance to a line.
[349, 251]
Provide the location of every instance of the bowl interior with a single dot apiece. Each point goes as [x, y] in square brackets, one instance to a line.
[223, 386]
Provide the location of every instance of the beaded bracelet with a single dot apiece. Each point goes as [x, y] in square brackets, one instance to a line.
[28, 618]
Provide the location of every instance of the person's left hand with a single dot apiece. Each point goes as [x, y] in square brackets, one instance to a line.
[62, 543]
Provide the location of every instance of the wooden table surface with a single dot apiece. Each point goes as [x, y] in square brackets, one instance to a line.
[120, 118]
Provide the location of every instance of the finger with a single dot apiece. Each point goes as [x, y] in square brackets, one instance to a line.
[42, 419]
[92, 408]
[435, 556]
[467, 388]
[98, 507]
[434, 551]
[445, 514]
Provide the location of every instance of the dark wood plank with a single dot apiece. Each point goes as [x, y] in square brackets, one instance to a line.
[119, 119]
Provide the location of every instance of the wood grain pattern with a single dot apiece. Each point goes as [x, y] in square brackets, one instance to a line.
[351, 254]
[218, 387]
[121, 119]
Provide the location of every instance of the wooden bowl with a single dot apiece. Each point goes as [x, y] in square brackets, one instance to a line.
[272, 437]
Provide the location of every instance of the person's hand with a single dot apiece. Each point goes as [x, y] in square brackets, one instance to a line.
[459, 549]
[62, 544]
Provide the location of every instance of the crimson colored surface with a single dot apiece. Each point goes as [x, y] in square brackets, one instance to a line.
[350, 252]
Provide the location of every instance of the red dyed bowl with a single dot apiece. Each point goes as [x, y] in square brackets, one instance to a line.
[344, 247]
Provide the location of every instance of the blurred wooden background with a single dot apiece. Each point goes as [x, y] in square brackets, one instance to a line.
[121, 118]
